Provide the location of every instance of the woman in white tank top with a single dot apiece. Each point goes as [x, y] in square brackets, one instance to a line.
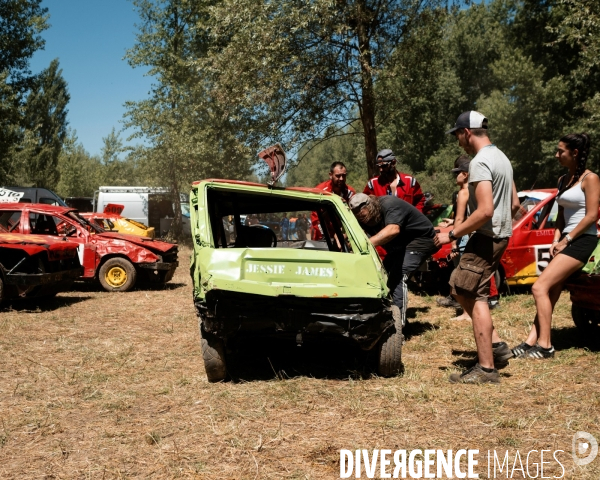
[575, 238]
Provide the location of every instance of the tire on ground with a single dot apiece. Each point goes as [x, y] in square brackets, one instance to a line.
[587, 322]
[213, 353]
[117, 275]
[390, 348]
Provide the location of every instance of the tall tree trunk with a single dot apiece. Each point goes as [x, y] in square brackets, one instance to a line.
[367, 107]
[176, 226]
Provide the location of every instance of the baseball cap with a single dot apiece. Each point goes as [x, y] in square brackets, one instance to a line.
[385, 155]
[470, 119]
[358, 201]
[461, 164]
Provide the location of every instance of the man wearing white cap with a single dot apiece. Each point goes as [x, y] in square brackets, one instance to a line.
[492, 202]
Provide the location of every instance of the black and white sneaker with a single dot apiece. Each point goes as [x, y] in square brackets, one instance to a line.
[519, 350]
[537, 352]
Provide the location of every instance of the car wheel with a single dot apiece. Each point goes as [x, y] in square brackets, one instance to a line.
[390, 348]
[117, 275]
[587, 322]
[213, 353]
[1, 290]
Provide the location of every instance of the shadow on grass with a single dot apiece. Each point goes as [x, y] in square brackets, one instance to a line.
[259, 359]
[159, 286]
[414, 329]
[141, 285]
[570, 337]
[42, 304]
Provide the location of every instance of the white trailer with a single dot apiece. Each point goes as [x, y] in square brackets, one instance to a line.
[151, 206]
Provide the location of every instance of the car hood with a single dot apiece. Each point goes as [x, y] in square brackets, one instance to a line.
[145, 242]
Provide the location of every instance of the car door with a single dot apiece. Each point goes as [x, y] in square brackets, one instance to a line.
[528, 253]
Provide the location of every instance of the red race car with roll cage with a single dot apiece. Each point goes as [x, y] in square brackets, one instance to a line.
[114, 259]
[35, 266]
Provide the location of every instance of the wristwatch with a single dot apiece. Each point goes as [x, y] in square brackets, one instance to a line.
[568, 238]
[451, 235]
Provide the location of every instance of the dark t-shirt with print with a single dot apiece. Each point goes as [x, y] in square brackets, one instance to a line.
[416, 231]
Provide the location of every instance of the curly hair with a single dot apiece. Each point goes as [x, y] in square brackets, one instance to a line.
[581, 143]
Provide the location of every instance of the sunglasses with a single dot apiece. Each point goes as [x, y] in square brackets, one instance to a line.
[384, 164]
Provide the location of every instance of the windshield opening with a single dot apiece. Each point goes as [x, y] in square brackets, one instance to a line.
[240, 220]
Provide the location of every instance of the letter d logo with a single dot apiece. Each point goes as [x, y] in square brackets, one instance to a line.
[584, 444]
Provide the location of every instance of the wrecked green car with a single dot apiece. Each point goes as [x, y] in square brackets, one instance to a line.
[255, 271]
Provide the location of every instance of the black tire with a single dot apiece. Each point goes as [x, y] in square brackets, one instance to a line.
[117, 275]
[1, 290]
[390, 348]
[587, 322]
[213, 353]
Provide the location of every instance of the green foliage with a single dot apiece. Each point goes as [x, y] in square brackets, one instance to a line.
[43, 127]
[80, 173]
[21, 22]
[315, 159]
[294, 71]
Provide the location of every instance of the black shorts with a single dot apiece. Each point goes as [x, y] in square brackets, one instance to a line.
[581, 248]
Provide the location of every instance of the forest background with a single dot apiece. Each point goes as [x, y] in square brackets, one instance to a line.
[331, 80]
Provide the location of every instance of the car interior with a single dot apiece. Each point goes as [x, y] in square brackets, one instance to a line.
[241, 220]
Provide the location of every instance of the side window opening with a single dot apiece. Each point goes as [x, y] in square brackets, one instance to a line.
[10, 221]
[41, 224]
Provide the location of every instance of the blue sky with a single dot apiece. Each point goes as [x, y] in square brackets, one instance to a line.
[90, 37]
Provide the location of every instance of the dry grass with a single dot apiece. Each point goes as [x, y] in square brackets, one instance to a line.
[97, 385]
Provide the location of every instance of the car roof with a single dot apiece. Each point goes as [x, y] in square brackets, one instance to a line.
[262, 185]
[40, 207]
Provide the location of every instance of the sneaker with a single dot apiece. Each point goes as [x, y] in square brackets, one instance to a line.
[519, 350]
[447, 302]
[475, 374]
[502, 354]
[538, 352]
[493, 302]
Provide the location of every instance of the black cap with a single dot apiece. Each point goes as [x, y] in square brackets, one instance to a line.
[470, 119]
[385, 155]
[461, 164]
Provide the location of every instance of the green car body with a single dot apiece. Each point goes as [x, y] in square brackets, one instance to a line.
[245, 285]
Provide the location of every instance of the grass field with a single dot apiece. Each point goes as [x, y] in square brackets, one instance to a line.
[98, 385]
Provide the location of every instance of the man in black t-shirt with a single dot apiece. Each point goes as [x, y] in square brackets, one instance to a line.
[405, 234]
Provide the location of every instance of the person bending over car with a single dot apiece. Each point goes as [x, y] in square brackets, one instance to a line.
[406, 234]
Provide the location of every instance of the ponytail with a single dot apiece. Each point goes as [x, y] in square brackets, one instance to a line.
[581, 143]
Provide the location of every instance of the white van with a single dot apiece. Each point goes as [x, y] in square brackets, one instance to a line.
[151, 206]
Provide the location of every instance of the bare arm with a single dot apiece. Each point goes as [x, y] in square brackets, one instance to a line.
[387, 234]
[484, 211]
[461, 207]
[516, 203]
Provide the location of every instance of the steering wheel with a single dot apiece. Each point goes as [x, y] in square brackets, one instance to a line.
[271, 232]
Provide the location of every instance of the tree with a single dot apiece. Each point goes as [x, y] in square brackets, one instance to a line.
[21, 22]
[189, 135]
[290, 69]
[43, 129]
[80, 173]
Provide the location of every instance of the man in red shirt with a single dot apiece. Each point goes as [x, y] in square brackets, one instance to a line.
[392, 182]
[337, 185]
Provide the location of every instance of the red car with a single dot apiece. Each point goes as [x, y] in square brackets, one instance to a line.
[115, 259]
[528, 251]
[33, 266]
